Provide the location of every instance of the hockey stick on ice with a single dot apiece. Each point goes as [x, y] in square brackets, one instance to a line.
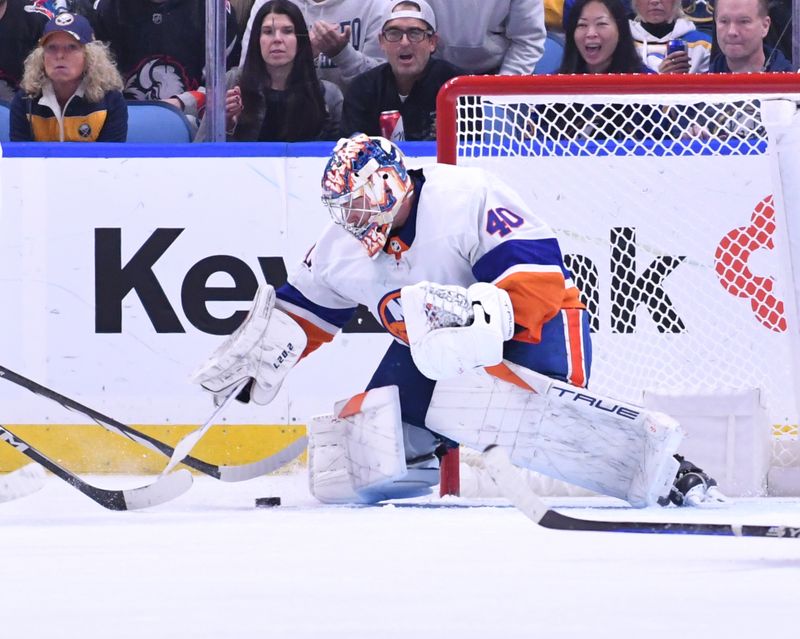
[22, 482]
[513, 487]
[160, 491]
[241, 472]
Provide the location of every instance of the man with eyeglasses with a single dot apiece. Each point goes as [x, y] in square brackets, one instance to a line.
[408, 82]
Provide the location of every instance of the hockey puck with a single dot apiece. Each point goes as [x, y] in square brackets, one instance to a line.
[267, 502]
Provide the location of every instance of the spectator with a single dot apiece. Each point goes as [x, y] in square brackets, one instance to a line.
[598, 40]
[701, 14]
[491, 36]
[741, 27]
[53, 7]
[20, 29]
[241, 9]
[160, 48]
[408, 82]
[569, 4]
[344, 36]
[659, 21]
[71, 89]
[276, 95]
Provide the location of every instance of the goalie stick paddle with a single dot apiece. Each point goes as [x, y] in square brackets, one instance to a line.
[162, 490]
[235, 473]
[185, 445]
[22, 482]
[514, 488]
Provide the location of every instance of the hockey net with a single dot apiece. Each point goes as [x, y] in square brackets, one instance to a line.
[660, 192]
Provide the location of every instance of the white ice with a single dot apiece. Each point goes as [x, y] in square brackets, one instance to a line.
[210, 564]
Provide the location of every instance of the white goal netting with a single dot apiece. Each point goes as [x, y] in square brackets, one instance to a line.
[661, 195]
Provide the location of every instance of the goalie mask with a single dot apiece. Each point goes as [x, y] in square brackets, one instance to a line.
[364, 185]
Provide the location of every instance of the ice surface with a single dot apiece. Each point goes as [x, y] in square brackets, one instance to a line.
[210, 564]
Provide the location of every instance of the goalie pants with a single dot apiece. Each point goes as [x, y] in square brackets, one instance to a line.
[564, 353]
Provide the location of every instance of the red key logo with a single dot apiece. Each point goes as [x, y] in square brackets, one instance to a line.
[731, 264]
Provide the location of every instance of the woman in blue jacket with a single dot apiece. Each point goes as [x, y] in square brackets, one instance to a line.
[70, 89]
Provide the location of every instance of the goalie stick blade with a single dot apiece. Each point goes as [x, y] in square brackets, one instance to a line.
[513, 488]
[160, 491]
[241, 472]
[264, 466]
[22, 482]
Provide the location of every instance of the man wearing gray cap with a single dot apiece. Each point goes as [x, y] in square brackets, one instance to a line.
[407, 83]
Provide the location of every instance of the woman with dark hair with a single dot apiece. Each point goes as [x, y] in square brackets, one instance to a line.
[598, 40]
[276, 95]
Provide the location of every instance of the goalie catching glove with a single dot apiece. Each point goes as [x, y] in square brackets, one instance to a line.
[263, 349]
[452, 329]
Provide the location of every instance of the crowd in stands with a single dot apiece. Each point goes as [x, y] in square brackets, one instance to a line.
[319, 69]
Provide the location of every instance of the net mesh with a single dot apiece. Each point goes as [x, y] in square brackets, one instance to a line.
[575, 126]
[683, 299]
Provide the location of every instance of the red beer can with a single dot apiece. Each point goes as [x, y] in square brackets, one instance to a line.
[391, 123]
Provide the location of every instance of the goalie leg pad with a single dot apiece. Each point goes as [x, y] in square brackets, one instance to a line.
[358, 454]
[562, 431]
[264, 348]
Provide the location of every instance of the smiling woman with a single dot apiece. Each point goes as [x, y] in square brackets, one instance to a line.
[276, 95]
[598, 40]
[70, 88]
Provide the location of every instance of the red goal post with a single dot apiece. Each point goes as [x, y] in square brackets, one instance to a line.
[666, 198]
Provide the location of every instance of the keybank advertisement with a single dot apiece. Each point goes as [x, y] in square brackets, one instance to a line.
[120, 275]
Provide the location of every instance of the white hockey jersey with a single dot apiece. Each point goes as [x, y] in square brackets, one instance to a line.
[466, 226]
[653, 50]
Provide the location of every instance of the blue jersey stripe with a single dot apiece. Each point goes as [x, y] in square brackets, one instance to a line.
[514, 252]
[336, 316]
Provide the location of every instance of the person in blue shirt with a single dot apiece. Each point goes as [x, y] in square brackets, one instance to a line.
[742, 26]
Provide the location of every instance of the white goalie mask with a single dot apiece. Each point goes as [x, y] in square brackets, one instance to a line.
[364, 185]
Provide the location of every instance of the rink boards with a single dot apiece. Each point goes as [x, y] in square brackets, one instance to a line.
[123, 268]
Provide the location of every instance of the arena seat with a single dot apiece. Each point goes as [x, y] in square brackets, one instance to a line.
[158, 122]
[551, 58]
[5, 117]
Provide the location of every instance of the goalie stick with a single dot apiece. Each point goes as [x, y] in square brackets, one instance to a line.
[513, 488]
[236, 473]
[185, 445]
[22, 482]
[162, 490]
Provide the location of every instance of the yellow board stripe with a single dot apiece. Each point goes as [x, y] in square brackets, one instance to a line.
[89, 448]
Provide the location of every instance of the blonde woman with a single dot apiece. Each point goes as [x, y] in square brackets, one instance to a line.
[656, 24]
[70, 89]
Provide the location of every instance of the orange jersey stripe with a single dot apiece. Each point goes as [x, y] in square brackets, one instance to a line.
[536, 298]
[316, 336]
[573, 328]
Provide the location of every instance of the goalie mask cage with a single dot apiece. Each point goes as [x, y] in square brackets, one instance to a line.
[660, 190]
